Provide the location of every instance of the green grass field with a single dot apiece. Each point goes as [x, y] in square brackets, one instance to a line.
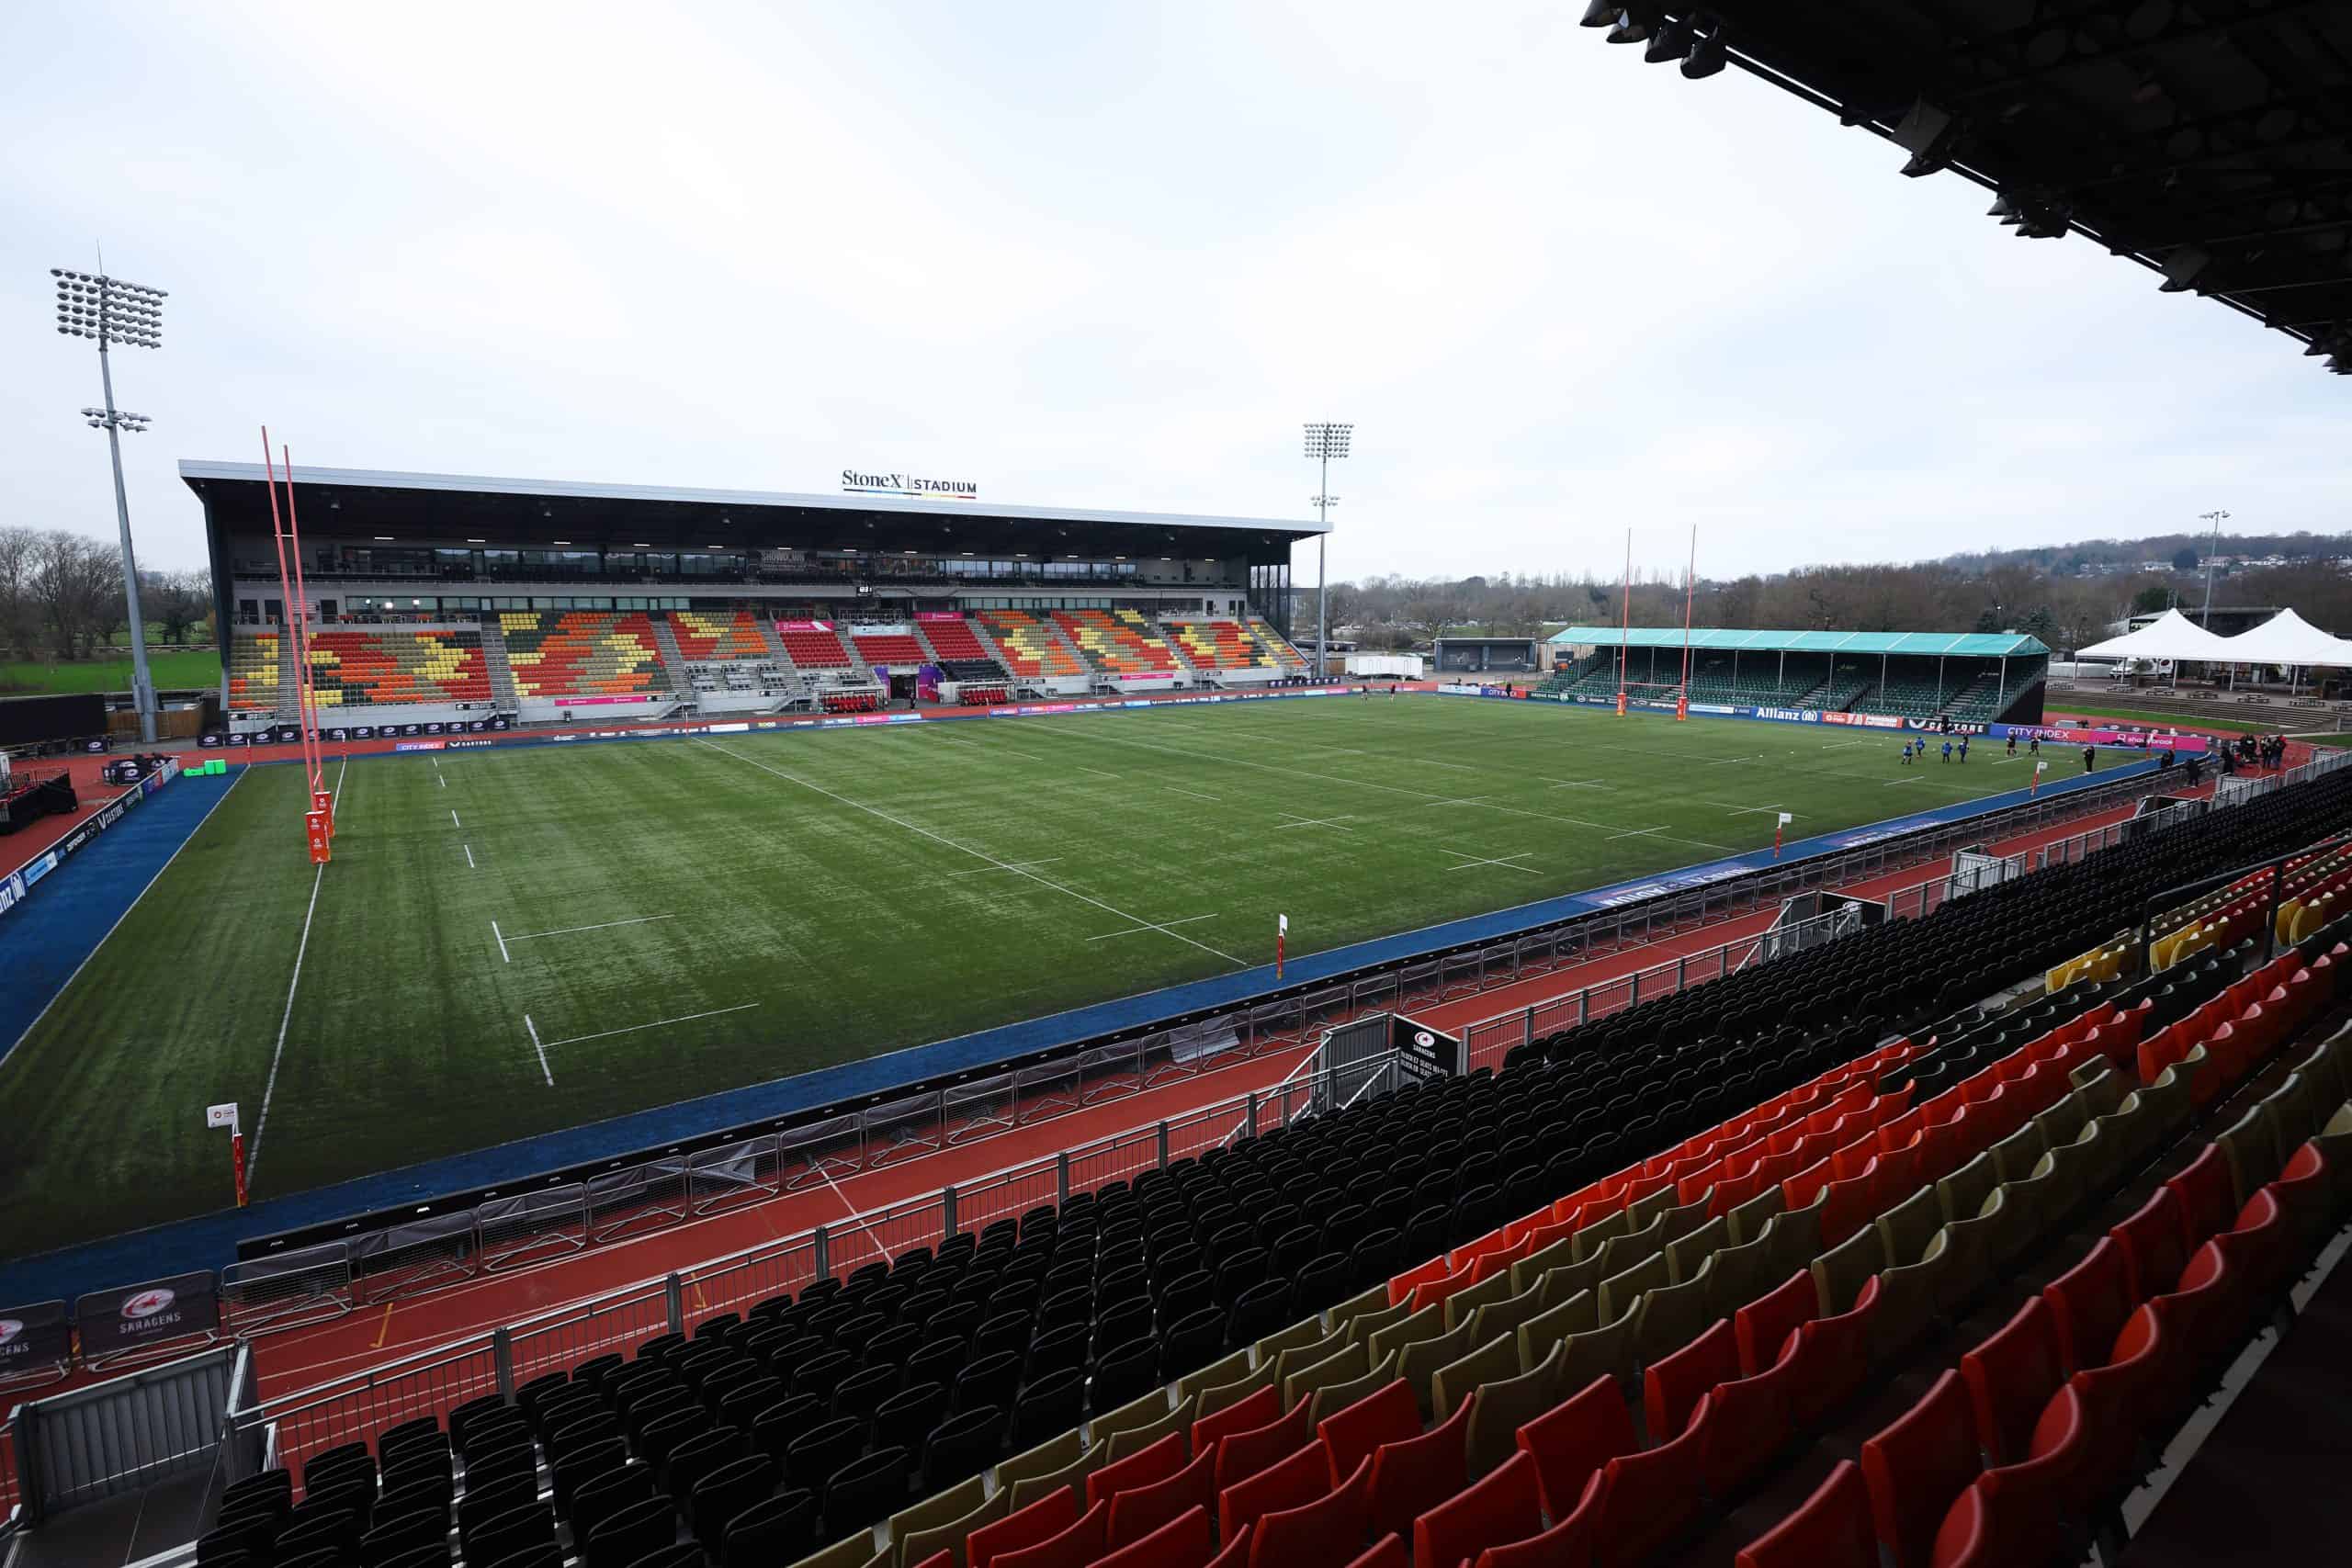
[170, 671]
[670, 919]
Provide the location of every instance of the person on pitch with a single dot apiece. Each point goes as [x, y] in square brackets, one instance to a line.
[1947, 751]
[1963, 748]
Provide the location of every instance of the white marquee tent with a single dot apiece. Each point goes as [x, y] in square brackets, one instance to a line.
[2173, 636]
[2287, 639]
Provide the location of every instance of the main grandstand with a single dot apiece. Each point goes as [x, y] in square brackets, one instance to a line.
[480, 602]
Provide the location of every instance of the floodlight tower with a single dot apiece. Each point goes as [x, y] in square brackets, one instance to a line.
[109, 310]
[2216, 517]
[1325, 441]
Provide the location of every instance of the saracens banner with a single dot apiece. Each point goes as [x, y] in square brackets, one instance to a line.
[34, 1337]
[132, 1317]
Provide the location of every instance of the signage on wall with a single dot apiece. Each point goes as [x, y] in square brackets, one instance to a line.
[912, 485]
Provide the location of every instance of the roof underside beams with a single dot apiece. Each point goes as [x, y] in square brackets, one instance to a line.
[2206, 140]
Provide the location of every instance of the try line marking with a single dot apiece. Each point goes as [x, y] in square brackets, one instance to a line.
[608, 925]
[976, 854]
[503, 954]
[253, 1161]
[1009, 866]
[635, 1027]
[539, 1048]
[1131, 931]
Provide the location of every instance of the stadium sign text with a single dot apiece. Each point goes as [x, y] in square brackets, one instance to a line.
[856, 483]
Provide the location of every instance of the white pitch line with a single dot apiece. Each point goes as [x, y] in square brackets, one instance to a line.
[261, 1125]
[504, 955]
[568, 931]
[1504, 861]
[1098, 773]
[635, 1027]
[1433, 762]
[539, 1048]
[1458, 800]
[1642, 832]
[1916, 778]
[1189, 919]
[1197, 795]
[439, 779]
[1749, 810]
[469, 858]
[966, 849]
[453, 819]
[1339, 822]
[1009, 866]
[1575, 783]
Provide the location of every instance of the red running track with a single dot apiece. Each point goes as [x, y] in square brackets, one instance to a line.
[90, 788]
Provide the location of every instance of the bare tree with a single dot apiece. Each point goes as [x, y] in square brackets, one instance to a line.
[77, 583]
[20, 615]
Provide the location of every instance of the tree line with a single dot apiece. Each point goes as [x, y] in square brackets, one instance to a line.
[62, 600]
[2063, 610]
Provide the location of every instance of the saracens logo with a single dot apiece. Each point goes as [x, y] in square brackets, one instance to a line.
[147, 1304]
[9, 1329]
[1425, 1040]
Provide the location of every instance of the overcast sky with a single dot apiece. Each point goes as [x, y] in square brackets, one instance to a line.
[1098, 255]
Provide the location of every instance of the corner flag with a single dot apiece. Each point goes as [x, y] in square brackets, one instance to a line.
[1282, 930]
[1786, 818]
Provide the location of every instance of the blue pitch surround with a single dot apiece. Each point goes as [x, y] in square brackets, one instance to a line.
[208, 1241]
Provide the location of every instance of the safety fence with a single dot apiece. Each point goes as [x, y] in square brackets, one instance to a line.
[433, 1381]
[119, 1435]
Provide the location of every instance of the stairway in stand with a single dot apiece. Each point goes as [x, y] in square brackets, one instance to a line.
[666, 641]
[501, 673]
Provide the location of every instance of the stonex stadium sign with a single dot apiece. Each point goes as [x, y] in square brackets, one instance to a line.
[914, 485]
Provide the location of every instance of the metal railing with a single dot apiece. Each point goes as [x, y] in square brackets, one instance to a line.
[500, 1360]
[123, 1435]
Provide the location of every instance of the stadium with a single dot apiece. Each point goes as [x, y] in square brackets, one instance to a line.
[663, 1027]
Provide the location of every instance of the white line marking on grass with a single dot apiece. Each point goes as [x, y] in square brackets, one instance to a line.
[1642, 832]
[966, 849]
[1197, 795]
[504, 955]
[539, 1048]
[1189, 919]
[1009, 866]
[1098, 773]
[469, 858]
[1458, 800]
[253, 1161]
[1750, 810]
[1504, 861]
[1339, 822]
[127, 909]
[568, 931]
[1915, 778]
[1575, 784]
[1835, 745]
[261, 1125]
[453, 819]
[635, 1027]
[1433, 762]
[439, 779]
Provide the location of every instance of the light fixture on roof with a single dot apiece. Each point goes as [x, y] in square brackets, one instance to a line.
[2181, 269]
[1599, 14]
[1930, 135]
[1670, 41]
[383, 539]
[640, 545]
[1629, 29]
[477, 541]
[1708, 52]
[110, 312]
[560, 542]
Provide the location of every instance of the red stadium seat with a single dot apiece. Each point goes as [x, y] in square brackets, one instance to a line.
[1188, 1540]
[2208, 1197]
[1915, 1466]
[1241, 1455]
[1416, 1474]
[1979, 1532]
[1750, 1424]
[1145, 1466]
[2122, 1396]
[2010, 1375]
[1648, 1498]
[1234, 1553]
[1290, 1483]
[2088, 1303]
[2261, 1245]
[2046, 1483]
[1505, 1506]
[1572, 1441]
[1041, 1520]
[1673, 1383]
[2155, 1245]
[1832, 1358]
[1567, 1544]
[1765, 1325]
[1832, 1529]
[1075, 1547]
[1331, 1524]
[1388, 1551]
[1242, 1415]
[1136, 1511]
[1351, 1436]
